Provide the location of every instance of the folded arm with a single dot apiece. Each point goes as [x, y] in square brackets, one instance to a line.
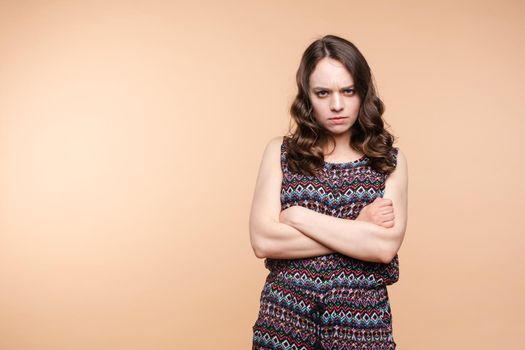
[359, 239]
[281, 241]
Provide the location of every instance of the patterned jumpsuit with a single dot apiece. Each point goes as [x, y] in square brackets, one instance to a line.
[331, 301]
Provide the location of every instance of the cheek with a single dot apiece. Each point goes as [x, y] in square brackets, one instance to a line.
[353, 105]
[356, 103]
[319, 108]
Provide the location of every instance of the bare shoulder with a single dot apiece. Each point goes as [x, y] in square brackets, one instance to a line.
[401, 158]
[272, 151]
[270, 163]
[275, 143]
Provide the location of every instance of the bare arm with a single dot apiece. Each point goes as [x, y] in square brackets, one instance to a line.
[359, 239]
[270, 238]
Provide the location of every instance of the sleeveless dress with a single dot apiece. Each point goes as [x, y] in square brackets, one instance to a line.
[331, 301]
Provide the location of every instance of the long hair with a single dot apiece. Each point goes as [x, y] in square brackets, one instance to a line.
[367, 134]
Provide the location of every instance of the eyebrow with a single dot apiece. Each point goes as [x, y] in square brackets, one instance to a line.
[322, 88]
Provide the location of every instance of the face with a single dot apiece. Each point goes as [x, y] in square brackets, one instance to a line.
[333, 95]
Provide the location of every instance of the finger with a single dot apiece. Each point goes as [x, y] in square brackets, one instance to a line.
[386, 224]
[384, 202]
[385, 211]
[388, 217]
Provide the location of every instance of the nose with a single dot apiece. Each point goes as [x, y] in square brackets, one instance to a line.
[336, 103]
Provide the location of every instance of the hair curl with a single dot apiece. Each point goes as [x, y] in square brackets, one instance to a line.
[367, 135]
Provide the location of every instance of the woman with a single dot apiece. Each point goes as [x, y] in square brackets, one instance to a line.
[329, 211]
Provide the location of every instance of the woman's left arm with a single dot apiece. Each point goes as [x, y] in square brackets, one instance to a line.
[359, 239]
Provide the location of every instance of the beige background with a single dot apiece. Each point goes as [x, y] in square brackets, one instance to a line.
[130, 138]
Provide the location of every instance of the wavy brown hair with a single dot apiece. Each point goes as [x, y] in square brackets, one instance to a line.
[367, 134]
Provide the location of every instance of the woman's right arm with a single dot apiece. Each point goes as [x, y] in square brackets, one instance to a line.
[270, 238]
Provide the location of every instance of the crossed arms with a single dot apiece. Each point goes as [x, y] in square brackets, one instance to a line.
[298, 232]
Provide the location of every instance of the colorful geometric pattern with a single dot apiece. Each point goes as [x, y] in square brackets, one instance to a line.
[331, 301]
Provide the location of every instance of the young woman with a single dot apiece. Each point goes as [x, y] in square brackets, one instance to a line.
[329, 211]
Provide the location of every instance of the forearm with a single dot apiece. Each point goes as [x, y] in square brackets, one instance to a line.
[282, 241]
[358, 239]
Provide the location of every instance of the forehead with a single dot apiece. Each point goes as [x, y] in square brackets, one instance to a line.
[329, 72]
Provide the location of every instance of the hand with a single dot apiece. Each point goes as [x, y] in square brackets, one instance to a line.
[379, 212]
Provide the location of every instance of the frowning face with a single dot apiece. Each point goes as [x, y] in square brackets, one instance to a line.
[334, 99]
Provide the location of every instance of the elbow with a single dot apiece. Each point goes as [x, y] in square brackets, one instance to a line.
[388, 253]
[258, 245]
[259, 251]
[262, 239]
[387, 257]
[390, 246]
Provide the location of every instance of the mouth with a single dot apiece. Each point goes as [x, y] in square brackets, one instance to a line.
[337, 118]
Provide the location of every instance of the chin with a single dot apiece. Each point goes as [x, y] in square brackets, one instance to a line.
[339, 131]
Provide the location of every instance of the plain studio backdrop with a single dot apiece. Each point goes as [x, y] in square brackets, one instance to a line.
[131, 134]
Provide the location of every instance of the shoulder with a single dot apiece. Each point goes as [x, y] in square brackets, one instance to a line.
[273, 151]
[276, 141]
[274, 145]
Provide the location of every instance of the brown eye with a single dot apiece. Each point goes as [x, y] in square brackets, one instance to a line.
[349, 90]
[320, 92]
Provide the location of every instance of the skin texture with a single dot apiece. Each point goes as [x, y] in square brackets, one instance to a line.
[379, 212]
[331, 95]
[297, 232]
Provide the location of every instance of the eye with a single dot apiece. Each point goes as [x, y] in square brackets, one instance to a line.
[349, 91]
[320, 92]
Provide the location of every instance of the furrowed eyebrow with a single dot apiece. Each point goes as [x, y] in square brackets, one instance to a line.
[322, 88]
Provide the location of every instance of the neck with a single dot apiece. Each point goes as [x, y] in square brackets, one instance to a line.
[342, 142]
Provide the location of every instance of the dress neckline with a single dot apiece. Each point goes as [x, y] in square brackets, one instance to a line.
[336, 165]
[345, 164]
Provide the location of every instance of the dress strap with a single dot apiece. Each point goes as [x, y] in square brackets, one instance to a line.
[395, 151]
[284, 154]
